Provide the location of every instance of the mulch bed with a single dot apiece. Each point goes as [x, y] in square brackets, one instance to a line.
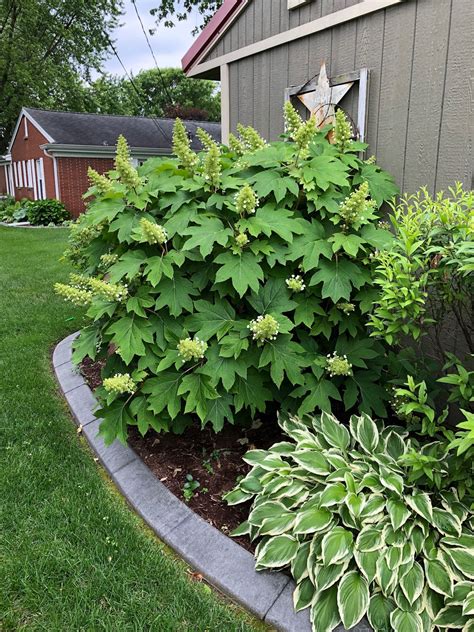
[215, 460]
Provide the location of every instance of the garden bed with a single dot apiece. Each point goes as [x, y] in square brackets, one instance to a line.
[214, 460]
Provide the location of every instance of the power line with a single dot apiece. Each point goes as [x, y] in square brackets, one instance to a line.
[137, 90]
[165, 87]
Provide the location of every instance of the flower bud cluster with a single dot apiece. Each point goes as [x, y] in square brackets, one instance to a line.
[264, 328]
[250, 138]
[305, 134]
[356, 207]
[120, 383]
[108, 259]
[371, 160]
[236, 145]
[342, 131]
[347, 308]
[182, 146]
[153, 233]
[128, 174]
[338, 365]
[206, 139]
[74, 295]
[101, 182]
[292, 120]
[108, 291]
[246, 201]
[212, 168]
[241, 240]
[190, 349]
[295, 283]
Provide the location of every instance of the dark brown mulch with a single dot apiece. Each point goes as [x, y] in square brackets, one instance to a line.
[214, 460]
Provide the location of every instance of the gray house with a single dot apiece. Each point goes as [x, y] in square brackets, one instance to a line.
[405, 67]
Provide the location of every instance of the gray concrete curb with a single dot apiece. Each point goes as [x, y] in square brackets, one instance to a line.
[223, 562]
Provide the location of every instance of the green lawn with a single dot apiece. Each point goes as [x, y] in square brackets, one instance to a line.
[72, 555]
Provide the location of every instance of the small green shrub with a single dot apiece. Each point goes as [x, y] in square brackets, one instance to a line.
[333, 505]
[44, 212]
[236, 280]
[11, 211]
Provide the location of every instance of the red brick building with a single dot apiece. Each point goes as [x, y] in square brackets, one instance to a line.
[50, 151]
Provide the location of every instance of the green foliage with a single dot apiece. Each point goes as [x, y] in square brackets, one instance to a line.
[333, 505]
[265, 342]
[427, 277]
[188, 98]
[190, 487]
[44, 212]
[11, 211]
[166, 10]
[46, 50]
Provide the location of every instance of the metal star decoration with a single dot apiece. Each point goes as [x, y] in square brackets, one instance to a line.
[322, 100]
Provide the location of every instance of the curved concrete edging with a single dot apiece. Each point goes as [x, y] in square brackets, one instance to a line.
[223, 562]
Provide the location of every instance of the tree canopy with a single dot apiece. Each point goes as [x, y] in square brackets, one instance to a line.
[47, 50]
[169, 10]
[161, 93]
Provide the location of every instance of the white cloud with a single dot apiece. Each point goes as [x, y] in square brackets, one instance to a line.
[169, 45]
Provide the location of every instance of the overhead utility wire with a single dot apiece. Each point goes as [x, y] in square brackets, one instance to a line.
[165, 87]
[133, 84]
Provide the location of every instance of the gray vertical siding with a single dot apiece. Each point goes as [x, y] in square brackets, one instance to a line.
[420, 54]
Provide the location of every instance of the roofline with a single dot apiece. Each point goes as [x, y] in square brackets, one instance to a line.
[214, 29]
[99, 151]
[27, 115]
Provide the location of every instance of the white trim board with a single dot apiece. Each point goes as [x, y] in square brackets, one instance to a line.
[315, 26]
[28, 116]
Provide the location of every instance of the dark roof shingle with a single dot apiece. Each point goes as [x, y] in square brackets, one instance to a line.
[75, 128]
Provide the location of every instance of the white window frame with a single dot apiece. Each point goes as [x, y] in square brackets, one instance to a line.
[20, 174]
[25, 124]
[25, 179]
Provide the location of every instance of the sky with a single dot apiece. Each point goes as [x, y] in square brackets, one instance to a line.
[169, 45]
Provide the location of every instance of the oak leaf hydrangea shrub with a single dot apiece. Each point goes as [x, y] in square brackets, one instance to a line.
[333, 505]
[226, 282]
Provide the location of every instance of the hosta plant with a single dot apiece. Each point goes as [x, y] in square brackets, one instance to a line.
[234, 280]
[333, 505]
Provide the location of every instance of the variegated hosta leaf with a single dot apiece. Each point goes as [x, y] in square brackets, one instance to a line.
[463, 560]
[380, 609]
[312, 461]
[352, 598]
[299, 568]
[370, 539]
[312, 520]
[386, 578]
[468, 605]
[277, 552]
[327, 576]
[398, 512]
[402, 602]
[412, 583]
[265, 459]
[367, 563]
[337, 546]
[324, 613]
[465, 541]
[420, 503]
[303, 594]
[366, 433]
[276, 525]
[447, 523]
[269, 509]
[391, 480]
[460, 593]
[406, 621]
[394, 445]
[451, 617]
[334, 432]
[333, 495]
[374, 506]
[438, 577]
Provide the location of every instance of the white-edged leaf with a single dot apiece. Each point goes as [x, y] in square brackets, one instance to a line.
[327, 576]
[312, 461]
[278, 551]
[269, 509]
[276, 525]
[367, 434]
[391, 480]
[451, 617]
[299, 564]
[378, 614]
[337, 546]
[333, 494]
[421, 503]
[412, 583]
[352, 598]
[438, 577]
[370, 539]
[446, 522]
[386, 578]
[303, 594]
[468, 605]
[312, 520]
[398, 512]
[334, 432]
[406, 621]
[463, 560]
[367, 563]
[374, 504]
[324, 612]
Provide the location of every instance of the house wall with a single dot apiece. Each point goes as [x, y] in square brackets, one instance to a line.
[419, 53]
[3, 180]
[28, 149]
[73, 182]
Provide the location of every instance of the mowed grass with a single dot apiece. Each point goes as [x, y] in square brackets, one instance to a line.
[73, 556]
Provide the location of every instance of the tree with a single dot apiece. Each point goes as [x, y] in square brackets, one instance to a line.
[46, 50]
[162, 93]
[169, 9]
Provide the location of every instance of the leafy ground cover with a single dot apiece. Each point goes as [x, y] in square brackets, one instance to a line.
[72, 555]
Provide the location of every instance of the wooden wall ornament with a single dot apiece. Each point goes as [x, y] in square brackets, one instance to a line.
[321, 95]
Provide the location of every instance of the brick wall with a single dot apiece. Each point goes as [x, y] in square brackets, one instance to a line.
[3, 180]
[73, 182]
[25, 149]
